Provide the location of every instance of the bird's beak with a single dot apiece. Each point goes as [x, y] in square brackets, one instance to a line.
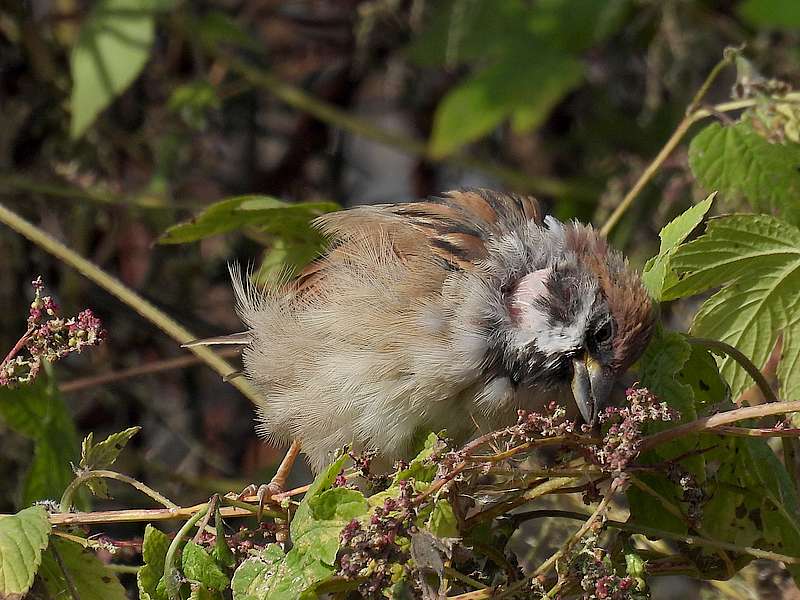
[591, 387]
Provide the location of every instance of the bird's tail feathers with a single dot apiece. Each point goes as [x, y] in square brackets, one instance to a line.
[234, 339]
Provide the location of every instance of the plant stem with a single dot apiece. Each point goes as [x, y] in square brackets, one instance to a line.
[652, 532]
[171, 574]
[149, 368]
[66, 498]
[692, 116]
[723, 418]
[126, 295]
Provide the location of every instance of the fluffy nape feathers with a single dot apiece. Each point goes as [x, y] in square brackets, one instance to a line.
[433, 315]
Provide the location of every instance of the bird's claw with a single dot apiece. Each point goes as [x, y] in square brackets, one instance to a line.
[264, 492]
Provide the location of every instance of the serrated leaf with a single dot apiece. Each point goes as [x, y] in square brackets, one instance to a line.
[264, 213]
[91, 578]
[23, 537]
[199, 566]
[442, 522]
[672, 235]
[154, 553]
[113, 46]
[780, 14]
[37, 411]
[759, 257]
[273, 575]
[105, 453]
[526, 88]
[740, 163]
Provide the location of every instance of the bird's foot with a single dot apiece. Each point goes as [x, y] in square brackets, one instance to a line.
[265, 494]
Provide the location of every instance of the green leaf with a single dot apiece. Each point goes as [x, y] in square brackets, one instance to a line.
[759, 257]
[662, 361]
[526, 88]
[648, 511]
[91, 578]
[103, 455]
[774, 485]
[199, 566]
[221, 552]
[113, 46]
[154, 553]
[23, 536]
[264, 213]
[789, 367]
[672, 235]
[286, 256]
[319, 518]
[740, 163]
[330, 512]
[273, 575]
[442, 522]
[780, 14]
[37, 411]
[421, 468]
[459, 32]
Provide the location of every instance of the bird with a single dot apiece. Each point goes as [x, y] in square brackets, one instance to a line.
[449, 313]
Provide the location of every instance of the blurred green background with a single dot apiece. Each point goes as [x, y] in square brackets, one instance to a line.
[121, 118]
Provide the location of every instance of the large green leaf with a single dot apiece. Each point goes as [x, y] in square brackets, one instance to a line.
[740, 163]
[37, 411]
[23, 536]
[90, 577]
[113, 47]
[330, 512]
[525, 89]
[263, 213]
[789, 367]
[654, 275]
[759, 257]
[528, 55]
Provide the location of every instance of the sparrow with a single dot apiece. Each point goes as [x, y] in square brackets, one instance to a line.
[451, 313]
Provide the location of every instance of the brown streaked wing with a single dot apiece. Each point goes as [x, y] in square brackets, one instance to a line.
[454, 228]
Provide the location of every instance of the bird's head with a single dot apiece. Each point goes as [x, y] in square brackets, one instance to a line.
[574, 314]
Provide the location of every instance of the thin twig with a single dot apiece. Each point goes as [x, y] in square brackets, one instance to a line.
[691, 117]
[722, 418]
[149, 368]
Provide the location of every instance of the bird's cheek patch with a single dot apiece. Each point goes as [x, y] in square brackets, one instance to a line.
[522, 300]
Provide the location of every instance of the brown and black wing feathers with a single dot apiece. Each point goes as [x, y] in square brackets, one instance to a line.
[453, 229]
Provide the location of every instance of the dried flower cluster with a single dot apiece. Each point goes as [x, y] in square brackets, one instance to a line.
[626, 425]
[372, 550]
[49, 337]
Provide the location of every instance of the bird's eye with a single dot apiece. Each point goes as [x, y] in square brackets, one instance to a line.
[603, 333]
